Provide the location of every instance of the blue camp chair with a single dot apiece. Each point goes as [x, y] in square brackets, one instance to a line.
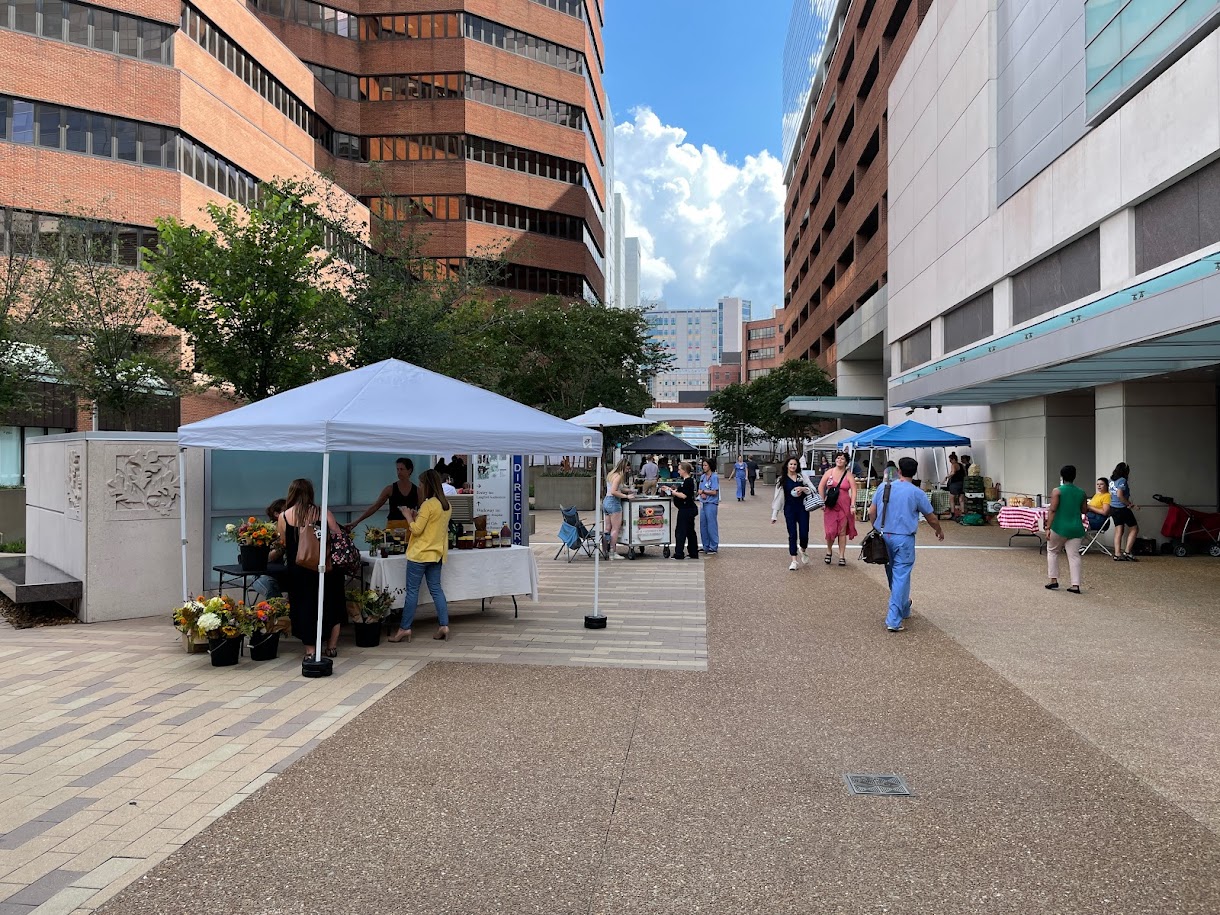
[574, 537]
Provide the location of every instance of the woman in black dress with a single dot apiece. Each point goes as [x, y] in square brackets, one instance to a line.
[401, 493]
[300, 518]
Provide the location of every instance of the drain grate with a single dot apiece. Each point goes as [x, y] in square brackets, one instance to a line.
[877, 785]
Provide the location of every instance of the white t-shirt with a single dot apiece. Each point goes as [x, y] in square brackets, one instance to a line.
[449, 489]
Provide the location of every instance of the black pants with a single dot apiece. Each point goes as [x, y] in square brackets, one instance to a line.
[751, 485]
[685, 535]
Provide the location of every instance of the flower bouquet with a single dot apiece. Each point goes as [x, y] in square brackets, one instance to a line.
[267, 620]
[374, 537]
[224, 622]
[254, 540]
[367, 609]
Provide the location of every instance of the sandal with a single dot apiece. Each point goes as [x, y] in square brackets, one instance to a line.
[842, 560]
[331, 652]
[828, 559]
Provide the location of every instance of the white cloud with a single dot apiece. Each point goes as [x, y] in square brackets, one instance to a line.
[707, 227]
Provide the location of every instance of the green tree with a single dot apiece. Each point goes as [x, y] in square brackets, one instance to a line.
[795, 378]
[101, 332]
[733, 415]
[27, 284]
[557, 356]
[261, 299]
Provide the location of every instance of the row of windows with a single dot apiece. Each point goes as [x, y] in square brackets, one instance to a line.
[452, 207]
[92, 27]
[521, 278]
[253, 74]
[47, 235]
[431, 147]
[101, 135]
[761, 333]
[415, 26]
[766, 352]
[449, 86]
[53, 127]
[571, 7]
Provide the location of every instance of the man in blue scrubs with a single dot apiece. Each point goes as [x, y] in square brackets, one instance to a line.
[906, 503]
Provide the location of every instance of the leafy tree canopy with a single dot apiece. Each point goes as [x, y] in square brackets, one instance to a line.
[795, 378]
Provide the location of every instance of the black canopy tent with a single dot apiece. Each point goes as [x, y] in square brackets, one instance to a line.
[660, 443]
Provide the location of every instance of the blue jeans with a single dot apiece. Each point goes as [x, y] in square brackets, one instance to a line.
[797, 520]
[417, 571]
[898, 571]
[709, 526]
[268, 586]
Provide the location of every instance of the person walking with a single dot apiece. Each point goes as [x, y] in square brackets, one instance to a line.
[709, 508]
[740, 472]
[838, 491]
[1065, 526]
[899, 506]
[425, 554]
[751, 473]
[790, 492]
[1122, 513]
[684, 498]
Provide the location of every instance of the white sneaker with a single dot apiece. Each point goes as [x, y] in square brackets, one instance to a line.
[792, 567]
[804, 558]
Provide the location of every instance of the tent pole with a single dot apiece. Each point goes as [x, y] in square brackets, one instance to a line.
[597, 556]
[186, 588]
[322, 553]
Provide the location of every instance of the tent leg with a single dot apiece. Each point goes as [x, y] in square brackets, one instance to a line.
[595, 620]
[323, 552]
[186, 588]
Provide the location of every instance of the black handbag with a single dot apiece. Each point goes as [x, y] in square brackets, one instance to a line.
[832, 492]
[872, 548]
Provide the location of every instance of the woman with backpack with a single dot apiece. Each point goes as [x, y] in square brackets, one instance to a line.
[838, 491]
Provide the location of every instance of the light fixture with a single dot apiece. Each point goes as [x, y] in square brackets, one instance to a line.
[939, 409]
[910, 411]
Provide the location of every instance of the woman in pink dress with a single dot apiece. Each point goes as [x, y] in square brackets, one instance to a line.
[838, 490]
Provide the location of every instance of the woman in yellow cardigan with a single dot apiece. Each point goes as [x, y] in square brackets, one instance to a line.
[425, 553]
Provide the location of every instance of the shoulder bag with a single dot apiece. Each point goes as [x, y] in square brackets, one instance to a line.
[344, 556]
[309, 546]
[832, 492]
[872, 548]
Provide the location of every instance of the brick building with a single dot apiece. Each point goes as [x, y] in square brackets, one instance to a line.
[840, 59]
[481, 123]
[720, 377]
[764, 345]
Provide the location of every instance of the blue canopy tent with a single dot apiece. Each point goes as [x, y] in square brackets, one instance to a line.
[912, 434]
[864, 439]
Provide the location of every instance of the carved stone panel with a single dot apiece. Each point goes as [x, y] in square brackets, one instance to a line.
[144, 486]
[75, 483]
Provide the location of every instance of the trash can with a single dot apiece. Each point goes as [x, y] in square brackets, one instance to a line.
[769, 473]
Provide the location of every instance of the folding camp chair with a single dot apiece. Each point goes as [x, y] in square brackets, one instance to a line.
[574, 537]
[1094, 538]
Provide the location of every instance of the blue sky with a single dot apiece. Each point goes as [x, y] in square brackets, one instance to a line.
[709, 66]
[695, 90]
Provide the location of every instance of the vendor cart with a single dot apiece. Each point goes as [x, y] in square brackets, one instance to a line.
[647, 521]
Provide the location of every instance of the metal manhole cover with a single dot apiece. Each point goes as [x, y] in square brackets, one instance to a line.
[877, 785]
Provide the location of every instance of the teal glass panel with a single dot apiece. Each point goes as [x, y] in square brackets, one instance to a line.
[247, 481]
[1103, 53]
[1097, 13]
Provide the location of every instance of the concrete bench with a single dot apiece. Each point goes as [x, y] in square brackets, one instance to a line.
[26, 580]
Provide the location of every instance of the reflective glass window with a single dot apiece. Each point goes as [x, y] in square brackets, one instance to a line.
[49, 118]
[23, 122]
[52, 20]
[78, 23]
[104, 30]
[25, 15]
[76, 136]
[125, 140]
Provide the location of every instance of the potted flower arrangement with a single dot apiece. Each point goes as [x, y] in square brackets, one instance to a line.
[266, 623]
[254, 539]
[367, 609]
[185, 618]
[225, 623]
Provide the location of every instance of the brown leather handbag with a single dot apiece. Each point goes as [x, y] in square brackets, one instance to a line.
[309, 546]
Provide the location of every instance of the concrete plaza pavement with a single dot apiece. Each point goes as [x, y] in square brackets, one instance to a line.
[1062, 750]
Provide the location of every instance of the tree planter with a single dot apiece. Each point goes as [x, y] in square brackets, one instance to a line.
[224, 652]
[253, 558]
[264, 646]
[368, 635]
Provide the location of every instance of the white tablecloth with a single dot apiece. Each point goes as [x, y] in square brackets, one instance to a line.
[466, 574]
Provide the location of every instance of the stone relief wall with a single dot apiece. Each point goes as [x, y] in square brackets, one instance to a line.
[144, 486]
[75, 483]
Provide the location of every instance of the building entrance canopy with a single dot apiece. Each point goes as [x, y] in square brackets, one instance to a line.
[1164, 324]
[845, 409]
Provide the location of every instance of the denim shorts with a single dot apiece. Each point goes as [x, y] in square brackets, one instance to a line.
[612, 505]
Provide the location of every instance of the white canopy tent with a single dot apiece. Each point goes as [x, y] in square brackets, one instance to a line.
[389, 407]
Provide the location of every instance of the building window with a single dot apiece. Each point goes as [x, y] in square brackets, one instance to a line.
[1071, 273]
[761, 333]
[969, 322]
[766, 352]
[23, 232]
[916, 348]
[1127, 44]
[91, 26]
[1179, 220]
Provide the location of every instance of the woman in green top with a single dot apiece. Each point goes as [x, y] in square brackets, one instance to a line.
[1066, 528]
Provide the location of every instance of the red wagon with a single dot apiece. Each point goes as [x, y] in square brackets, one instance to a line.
[1186, 526]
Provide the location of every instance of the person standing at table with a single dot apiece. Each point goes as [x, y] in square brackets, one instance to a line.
[895, 512]
[401, 494]
[709, 508]
[1065, 528]
[426, 552]
[790, 492]
[1122, 513]
[684, 499]
[650, 471]
[300, 518]
[740, 471]
[838, 490]
[616, 491]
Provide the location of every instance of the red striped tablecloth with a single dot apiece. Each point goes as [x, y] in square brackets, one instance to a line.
[1022, 519]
